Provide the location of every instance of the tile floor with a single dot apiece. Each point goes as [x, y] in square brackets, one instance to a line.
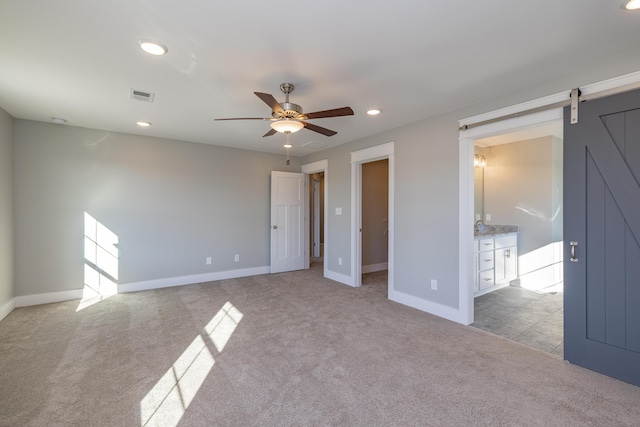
[531, 318]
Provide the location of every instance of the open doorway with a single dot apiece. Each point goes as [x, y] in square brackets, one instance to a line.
[316, 209]
[375, 223]
[518, 234]
[358, 159]
[316, 224]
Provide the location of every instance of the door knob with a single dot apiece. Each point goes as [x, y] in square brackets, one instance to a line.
[275, 226]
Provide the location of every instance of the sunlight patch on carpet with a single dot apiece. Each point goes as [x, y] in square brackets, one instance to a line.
[167, 402]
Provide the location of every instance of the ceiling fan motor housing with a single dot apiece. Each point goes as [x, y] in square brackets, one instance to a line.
[291, 111]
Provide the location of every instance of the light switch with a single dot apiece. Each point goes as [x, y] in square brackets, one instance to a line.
[338, 211]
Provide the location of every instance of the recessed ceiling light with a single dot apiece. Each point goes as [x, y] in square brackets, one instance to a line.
[373, 112]
[632, 5]
[143, 124]
[153, 48]
[58, 120]
[288, 145]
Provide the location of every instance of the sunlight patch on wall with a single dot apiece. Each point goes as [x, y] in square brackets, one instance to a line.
[167, 402]
[541, 270]
[100, 262]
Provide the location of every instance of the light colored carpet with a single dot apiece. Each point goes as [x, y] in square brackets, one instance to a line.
[279, 350]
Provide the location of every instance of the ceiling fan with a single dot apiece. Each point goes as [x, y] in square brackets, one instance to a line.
[288, 117]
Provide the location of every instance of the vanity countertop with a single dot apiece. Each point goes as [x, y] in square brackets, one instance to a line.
[488, 230]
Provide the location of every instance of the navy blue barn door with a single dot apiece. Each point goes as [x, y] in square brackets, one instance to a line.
[602, 231]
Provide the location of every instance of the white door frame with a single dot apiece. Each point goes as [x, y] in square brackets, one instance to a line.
[466, 139]
[307, 169]
[379, 152]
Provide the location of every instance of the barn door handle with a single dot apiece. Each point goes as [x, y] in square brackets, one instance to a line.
[573, 251]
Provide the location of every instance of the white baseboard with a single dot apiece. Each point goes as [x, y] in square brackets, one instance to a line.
[372, 268]
[7, 308]
[49, 297]
[431, 307]
[338, 277]
[189, 280]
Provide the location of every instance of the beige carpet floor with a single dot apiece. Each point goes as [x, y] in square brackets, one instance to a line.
[290, 349]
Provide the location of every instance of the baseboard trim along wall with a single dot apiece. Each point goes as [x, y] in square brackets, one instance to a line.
[190, 280]
[345, 280]
[372, 268]
[7, 308]
[430, 307]
[51, 297]
[48, 298]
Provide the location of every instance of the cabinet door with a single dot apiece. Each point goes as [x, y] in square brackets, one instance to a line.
[511, 263]
[500, 264]
[506, 261]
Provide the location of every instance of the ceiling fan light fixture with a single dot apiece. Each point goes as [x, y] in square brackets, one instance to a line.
[153, 48]
[373, 112]
[286, 126]
[632, 5]
[143, 124]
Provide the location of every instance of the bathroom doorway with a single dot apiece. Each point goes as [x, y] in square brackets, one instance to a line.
[518, 187]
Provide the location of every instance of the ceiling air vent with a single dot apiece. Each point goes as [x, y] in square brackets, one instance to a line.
[141, 95]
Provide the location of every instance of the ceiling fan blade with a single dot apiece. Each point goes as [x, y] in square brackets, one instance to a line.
[319, 129]
[336, 112]
[245, 118]
[270, 101]
[271, 132]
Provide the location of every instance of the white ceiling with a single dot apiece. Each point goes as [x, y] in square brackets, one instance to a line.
[79, 59]
[553, 128]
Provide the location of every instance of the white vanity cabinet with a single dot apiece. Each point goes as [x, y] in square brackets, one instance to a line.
[496, 262]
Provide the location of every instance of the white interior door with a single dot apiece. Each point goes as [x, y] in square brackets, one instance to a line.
[287, 221]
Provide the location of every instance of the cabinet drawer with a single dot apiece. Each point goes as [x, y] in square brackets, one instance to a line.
[485, 261]
[485, 279]
[506, 241]
[485, 245]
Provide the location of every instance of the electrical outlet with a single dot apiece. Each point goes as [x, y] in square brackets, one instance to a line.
[339, 260]
[236, 258]
[488, 217]
[434, 285]
[208, 260]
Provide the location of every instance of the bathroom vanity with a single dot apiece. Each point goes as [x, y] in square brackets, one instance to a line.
[495, 258]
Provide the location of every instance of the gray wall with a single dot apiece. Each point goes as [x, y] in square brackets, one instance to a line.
[171, 204]
[426, 206]
[6, 208]
[375, 212]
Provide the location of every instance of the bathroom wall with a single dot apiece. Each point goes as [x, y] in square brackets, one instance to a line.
[523, 187]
